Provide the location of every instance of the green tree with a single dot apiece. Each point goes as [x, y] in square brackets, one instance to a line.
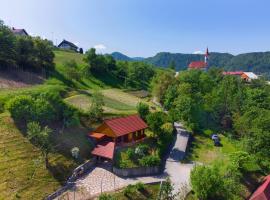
[143, 110]
[160, 83]
[155, 121]
[209, 183]
[7, 46]
[40, 137]
[96, 63]
[44, 55]
[96, 108]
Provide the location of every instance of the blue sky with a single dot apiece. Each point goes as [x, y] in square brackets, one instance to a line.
[145, 27]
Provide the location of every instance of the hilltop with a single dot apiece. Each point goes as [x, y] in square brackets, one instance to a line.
[255, 61]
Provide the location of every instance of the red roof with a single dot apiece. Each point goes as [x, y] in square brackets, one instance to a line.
[97, 136]
[105, 150]
[233, 73]
[197, 65]
[124, 125]
[263, 192]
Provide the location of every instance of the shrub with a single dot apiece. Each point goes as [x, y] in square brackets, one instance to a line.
[43, 108]
[130, 153]
[96, 108]
[140, 186]
[208, 132]
[70, 116]
[142, 150]
[123, 164]
[75, 151]
[240, 159]
[167, 133]
[143, 110]
[129, 190]
[21, 108]
[150, 161]
[43, 111]
[166, 191]
[105, 196]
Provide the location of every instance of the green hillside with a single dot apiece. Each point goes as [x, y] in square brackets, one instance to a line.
[23, 174]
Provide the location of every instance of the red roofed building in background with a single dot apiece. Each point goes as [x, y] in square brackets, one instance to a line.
[119, 131]
[263, 191]
[197, 65]
[200, 64]
[236, 73]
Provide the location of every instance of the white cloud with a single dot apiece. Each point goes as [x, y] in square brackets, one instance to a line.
[198, 52]
[100, 47]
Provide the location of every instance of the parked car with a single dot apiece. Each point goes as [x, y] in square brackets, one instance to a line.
[217, 142]
[214, 136]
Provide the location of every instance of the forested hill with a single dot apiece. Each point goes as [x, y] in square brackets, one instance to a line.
[257, 62]
[123, 57]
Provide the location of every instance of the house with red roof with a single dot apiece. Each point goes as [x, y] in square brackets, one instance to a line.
[263, 191]
[117, 132]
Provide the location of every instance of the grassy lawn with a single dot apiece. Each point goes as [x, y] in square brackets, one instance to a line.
[203, 149]
[150, 192]
[22, 170]
[63, 56]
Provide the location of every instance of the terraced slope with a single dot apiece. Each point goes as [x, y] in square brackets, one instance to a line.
[116, 101]
[22, 171]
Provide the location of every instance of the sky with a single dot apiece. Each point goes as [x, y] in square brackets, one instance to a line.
[146, 27]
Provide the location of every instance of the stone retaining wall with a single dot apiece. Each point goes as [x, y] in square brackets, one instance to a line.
[138, 171]
[77, 172]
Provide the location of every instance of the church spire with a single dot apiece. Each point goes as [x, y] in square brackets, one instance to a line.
[206, 56]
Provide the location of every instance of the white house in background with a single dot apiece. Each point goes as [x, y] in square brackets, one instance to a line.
[20, 32]
[67, 45]
[248, 76]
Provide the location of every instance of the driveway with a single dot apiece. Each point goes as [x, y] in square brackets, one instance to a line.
[179, 173]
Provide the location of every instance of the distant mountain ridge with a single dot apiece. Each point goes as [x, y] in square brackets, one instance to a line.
[123, 57]
[254, 61]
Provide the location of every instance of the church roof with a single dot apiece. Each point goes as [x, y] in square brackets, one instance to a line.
[197, 65]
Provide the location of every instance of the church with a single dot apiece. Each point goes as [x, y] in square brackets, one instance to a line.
[202, 65]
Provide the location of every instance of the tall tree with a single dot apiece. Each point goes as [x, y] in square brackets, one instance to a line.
[40, 137]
